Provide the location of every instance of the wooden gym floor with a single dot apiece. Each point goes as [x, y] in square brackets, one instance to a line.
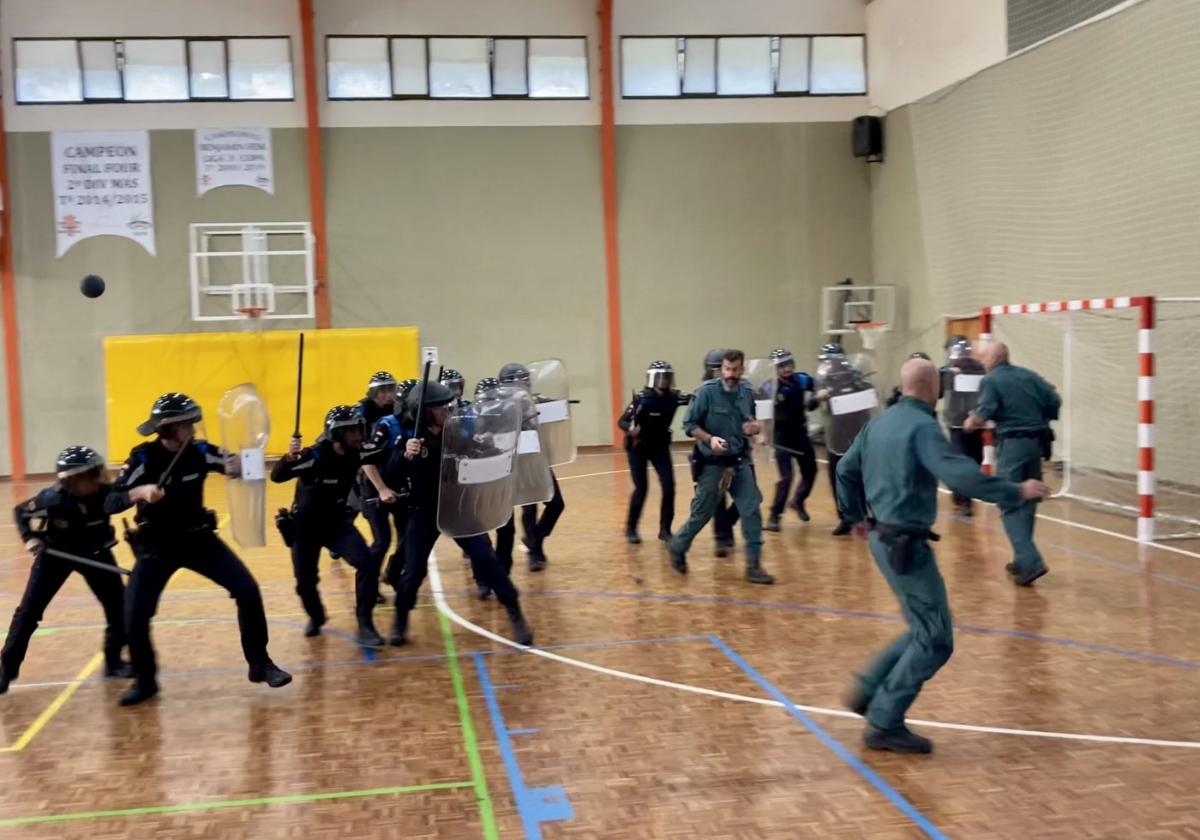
[710, 709]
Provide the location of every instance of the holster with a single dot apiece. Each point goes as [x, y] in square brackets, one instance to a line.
[1047, 440]
[286, 524]
[901, 543]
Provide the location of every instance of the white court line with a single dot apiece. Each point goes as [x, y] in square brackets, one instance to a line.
[439, 598]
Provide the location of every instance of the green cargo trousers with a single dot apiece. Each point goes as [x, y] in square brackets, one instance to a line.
[1019, 459]
[893, 680]
[744, 490]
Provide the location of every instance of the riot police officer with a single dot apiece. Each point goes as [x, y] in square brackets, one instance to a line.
[381, 487]
[381, 394]
[647, 426]
[422, 460]
[791, 394]
[960, 381]
[165, 477]
[324, 474]
[69, 517]
[837, 377]
[536, 529]
[453, 380]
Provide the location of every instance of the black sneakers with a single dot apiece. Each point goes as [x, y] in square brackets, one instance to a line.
[898, 740]
[269, 673]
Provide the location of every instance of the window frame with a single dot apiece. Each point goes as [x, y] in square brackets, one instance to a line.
[808, 94]
[494, 97]
[119, 41]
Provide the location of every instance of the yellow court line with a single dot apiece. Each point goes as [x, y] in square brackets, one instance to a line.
[50, 711]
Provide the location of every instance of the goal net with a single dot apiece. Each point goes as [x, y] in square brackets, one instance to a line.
[1126, 438]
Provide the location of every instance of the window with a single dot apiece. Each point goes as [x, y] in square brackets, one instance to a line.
[48, 71]
[437, 67]
[155, 70]
[558, 68]
[152, 69]
[459, 68]
[207, 65]
[101, 78]
[357, 68]
[260, 68]
[743, 65]
[838, 66]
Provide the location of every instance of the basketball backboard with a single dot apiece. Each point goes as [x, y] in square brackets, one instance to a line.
[844, 306]
[259, 268]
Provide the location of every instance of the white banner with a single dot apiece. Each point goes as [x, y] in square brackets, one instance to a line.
[102, 186]
[234, 157]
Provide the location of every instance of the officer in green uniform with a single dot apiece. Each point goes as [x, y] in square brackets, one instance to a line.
[721, 420]
[1022, 404]
[892, 470]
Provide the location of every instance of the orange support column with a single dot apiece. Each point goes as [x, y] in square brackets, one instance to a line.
[608, 164]
[8, 304]
[316, 176]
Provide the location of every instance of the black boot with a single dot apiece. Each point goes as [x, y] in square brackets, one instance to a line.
[368, 636]
[631, 537]
[139, 692]
[801, 511]
[842, 529]
[4, 681]
[772, 524]
[898, 740]
[399, 635]
[664, 534]
[484, 591]
[116, 669]
[856, 700]
[1027, 578]
[270, 673]
[379, 599]
[755, 573]
[522, 632]
[537, 561]
[678, 560]
[313, 628]
[723, 548]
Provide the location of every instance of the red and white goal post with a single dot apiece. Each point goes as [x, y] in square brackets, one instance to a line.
[1112, 433]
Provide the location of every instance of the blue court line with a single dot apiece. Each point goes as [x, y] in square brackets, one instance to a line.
[876, 781]
[809, 608]
[534, 805]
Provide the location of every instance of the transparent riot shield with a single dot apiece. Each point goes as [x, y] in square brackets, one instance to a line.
[850, 407]
[532, 479]
[549, 384]
[245, 427]
[479, 450]
[760, 373]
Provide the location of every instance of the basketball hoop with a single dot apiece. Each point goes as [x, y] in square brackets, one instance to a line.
[870, 332]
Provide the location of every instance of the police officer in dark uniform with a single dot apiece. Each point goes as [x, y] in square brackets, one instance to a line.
[423, 458]
[324, 474]
[453, 380]
[537, 530]
[165, 479]
[647, 426]
[383, 471]
[960, 383]
[68, 516]
[726, 514]
[380, 515]
[381, 394]
[791, 393]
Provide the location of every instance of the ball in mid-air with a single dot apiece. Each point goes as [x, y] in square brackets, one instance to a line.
[92, 286]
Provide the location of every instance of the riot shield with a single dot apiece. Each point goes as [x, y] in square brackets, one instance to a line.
[532, 479]
[960, 389]
[479, 447]
[550, 387]
[852, 402]
[245, 427]
[760, 374]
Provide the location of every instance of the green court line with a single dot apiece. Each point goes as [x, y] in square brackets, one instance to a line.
[296, 799]
[486, 813]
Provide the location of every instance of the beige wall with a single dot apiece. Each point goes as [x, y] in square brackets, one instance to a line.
[61, 331]
[728, 232]
[916, 48]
